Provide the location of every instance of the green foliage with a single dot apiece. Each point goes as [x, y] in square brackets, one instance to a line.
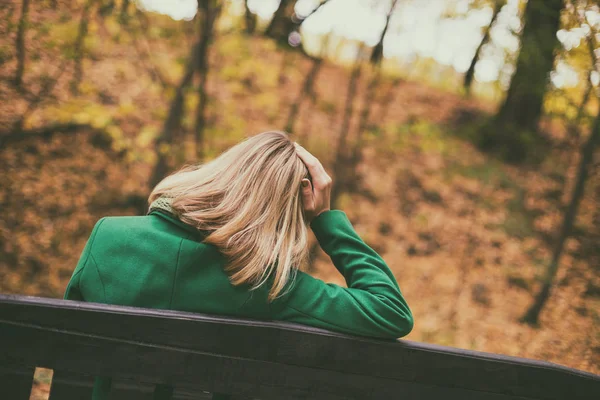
[43, 29]
[92, 47]
[518, 222]
[491, 175]
[423, 135]
[512, 143]
[326, 106]
[64, 36]
[245, 72]
[167, 32]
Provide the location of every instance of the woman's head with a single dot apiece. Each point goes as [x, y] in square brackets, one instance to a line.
[249, 201]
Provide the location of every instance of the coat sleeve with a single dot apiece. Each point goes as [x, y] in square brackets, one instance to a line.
[372, 304]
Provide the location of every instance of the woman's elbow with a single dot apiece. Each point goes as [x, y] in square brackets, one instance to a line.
[404, 325]
[396, 325]
[402, 320]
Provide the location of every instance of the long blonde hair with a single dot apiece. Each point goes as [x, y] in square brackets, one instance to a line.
[249, 201]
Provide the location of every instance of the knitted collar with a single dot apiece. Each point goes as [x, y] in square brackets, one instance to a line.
[162, 203]
[162, 207]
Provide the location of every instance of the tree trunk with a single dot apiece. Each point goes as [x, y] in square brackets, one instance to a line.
[106, 7]
[281, 24]
[172, 124]
[42, 95]
[79, 44]
[522, 107]
[307, 89]
[307, 86]
[586, 97]
[144, 51]
[296, 22]
[364, 116]
[388, 99]
[286, 61]
[573, 130]
[250, 19]
[470, 74]
[210, 11]
[20, 43]
[376, 58]
[587, 155]
[341, 158]
[124, 7]
[377, 54]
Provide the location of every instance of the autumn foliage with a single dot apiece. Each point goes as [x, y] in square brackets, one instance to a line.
[467, 235]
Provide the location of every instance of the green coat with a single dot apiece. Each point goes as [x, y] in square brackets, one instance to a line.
[157, 261]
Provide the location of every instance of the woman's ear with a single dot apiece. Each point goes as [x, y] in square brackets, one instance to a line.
[307, 195]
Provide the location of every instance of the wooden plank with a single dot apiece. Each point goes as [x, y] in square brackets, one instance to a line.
[71, 386]
[200, 371]
[302, 346]
[77, 386]
[129, 389]
[15, 382]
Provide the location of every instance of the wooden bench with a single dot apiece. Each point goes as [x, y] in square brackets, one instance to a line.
[200, 354]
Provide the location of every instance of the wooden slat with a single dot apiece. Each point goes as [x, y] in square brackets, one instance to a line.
[225, 347]
[15, 382]
[200, 371]
[70, 386]
[76, 386]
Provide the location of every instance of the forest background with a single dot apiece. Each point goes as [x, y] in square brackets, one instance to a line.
[461, 135]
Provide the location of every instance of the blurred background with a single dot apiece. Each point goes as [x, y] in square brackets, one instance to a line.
[460, 135]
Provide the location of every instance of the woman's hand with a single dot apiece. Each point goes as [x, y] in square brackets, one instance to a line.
[315, 197]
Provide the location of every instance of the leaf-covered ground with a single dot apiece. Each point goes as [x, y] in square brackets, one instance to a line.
[467, 236]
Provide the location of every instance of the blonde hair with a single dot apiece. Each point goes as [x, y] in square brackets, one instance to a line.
[249, 201]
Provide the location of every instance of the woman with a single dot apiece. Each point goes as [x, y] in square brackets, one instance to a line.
[227, 238]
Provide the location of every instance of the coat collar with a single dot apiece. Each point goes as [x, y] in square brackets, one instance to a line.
[162, 207]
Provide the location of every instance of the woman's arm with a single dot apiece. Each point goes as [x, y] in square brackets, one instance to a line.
[372, 305]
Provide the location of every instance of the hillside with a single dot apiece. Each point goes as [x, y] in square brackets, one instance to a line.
[466, 235]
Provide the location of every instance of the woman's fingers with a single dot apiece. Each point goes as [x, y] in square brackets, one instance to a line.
[316, 195]
[315, 168]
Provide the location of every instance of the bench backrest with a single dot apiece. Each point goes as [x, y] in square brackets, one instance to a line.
[196, 353]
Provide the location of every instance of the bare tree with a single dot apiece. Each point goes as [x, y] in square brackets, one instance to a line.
[307, 89]
[521, 111]
[341, 158]
[210, 11]
[42, 95]
[143, 50]
[249, 18]
[20, 43]
[377, 54]
[299, 20]
[388, 98]
[281, 24]
[470, 74]
[376, 58]
[586, 97]
[79, 45]
[197, 63]
[587, 155]
[172, 125]
[124, 8]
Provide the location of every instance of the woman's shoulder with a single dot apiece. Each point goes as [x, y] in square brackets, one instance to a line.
[117, 228]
